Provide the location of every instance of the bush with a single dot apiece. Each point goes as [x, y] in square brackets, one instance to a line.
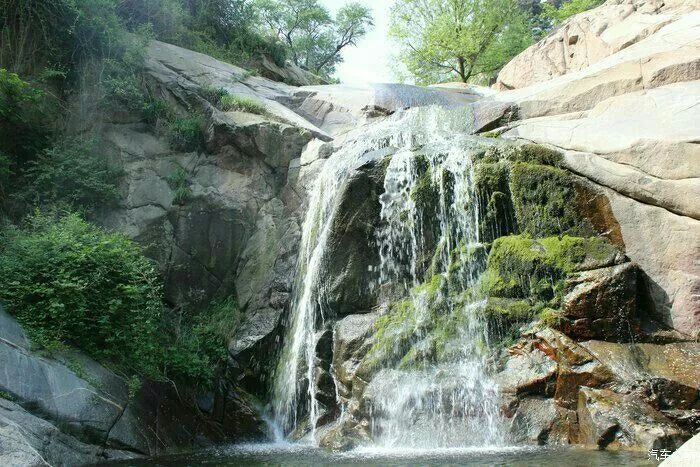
[155, 110]
[202, 346]
[179, 182]
[213, 95]
[25, 116]
[72, 175]
[185, 134]
[241, 104]
[68, 282]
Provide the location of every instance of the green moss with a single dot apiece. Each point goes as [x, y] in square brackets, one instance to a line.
[544, 199]
[550, 317]
[493, 190]
[536, 154]
[520, 267]
[425, 194]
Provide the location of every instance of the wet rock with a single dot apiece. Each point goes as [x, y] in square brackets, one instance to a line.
[534, 419]
[608, 419]
[351, 255]
[528, 372]
[601, 303]
[350, 345]
[346, 434]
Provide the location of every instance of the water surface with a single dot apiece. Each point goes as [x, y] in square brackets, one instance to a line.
[300, 455]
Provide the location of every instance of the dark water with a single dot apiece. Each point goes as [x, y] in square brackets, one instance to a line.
[297, 455]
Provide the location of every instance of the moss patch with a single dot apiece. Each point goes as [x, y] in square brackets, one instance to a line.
[520, 267]
[544, 201]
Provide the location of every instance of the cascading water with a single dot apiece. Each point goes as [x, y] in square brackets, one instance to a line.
[452, 404]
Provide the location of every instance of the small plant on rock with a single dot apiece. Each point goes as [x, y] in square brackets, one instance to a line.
[241, 104]
[179, 182]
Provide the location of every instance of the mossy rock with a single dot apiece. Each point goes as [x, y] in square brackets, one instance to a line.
[521, 267]
[497, 217]
[536, 154]
[544, 200]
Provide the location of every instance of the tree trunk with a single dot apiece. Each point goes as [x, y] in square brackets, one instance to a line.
[462, 70]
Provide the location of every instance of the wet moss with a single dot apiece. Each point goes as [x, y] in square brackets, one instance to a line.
[544, 200]
[521, 267]
[493, 190]
[536, 154]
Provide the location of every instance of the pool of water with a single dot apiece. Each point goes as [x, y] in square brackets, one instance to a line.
[300, 455]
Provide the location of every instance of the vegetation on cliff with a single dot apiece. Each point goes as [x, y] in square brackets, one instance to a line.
[70, 283]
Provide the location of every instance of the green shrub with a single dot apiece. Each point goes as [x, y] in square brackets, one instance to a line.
[25, 121]
[72, 175]
[241, 104]
[202, 345]
[567, 9]
[155, 110]
[179, 181]
[213, 95]
[68, 282]
[185, 133]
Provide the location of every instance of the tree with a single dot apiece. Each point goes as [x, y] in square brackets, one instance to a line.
[567, 9]
[444, 39]
[315, 39]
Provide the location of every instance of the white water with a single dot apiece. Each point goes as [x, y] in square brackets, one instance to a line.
[452, 405]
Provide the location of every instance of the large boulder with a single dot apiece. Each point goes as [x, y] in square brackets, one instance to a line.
[608, 419]
[601, 303]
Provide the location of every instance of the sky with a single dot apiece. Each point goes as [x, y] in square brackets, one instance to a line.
[369, 61]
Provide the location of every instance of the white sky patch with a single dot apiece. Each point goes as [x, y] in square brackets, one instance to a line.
[370, 61]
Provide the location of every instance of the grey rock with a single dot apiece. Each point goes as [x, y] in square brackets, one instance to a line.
[608, 419]
[26, 440]
[50, 389]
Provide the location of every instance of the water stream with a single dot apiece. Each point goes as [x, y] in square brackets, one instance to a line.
[447, 405]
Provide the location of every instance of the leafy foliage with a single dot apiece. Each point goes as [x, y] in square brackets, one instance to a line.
[185, 133]
[445, 39]
[24, 112]
[68, 282]
[71, 283]
[567, 9]
[72, 175]
[179, 181]
[313, 37]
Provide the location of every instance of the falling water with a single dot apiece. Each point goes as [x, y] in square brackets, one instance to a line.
[453, 404]
[449, 405]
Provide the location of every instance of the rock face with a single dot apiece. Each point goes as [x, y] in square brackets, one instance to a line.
[599, 393]
[624, 114]
[587, 38]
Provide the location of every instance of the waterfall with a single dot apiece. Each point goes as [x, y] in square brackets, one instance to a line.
[448, 405]
[453, 404]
